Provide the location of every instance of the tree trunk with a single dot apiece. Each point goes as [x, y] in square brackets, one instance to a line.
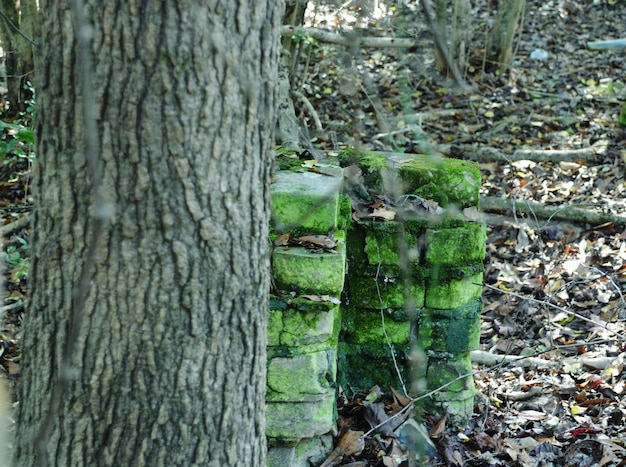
[510, 15]
[166, 346]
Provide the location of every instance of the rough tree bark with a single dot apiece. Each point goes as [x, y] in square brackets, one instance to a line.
[168, 362]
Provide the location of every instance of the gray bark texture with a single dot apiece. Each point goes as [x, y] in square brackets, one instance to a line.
[167, 362]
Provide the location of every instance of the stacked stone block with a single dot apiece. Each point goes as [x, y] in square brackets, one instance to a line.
[414, 281]
[304, 319]
[420, 279]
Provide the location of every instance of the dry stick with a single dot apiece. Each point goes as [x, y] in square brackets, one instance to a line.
[103, 212]
[16, 225]
[309, 107]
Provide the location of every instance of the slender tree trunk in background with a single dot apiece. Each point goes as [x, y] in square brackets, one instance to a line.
[18, 51]
[510, 15]
[457, 37]
[168, 367]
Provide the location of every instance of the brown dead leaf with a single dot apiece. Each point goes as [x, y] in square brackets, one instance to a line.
[350, 444]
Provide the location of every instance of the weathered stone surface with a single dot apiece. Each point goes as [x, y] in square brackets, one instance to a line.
[292, 327]
[299, 269]
[386, 292]
[454, 293]
[361, 366]
[446, 181]
[455, 331]
[441, 368]
[306, 453]
[292, 421]
[366, 326]
[457, 246]
[309, 377]
[306, 200]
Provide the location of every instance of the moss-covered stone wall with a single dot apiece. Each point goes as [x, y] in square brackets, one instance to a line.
[354, 293]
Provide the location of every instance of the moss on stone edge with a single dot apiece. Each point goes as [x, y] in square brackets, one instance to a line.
[455, 247]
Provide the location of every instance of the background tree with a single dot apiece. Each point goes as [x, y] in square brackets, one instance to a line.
[17, 25]
[145, 337]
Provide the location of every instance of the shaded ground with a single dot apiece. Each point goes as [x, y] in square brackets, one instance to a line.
[553, 290]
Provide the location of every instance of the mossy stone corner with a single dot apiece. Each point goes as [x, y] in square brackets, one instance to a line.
[446, 181]
[307, 201]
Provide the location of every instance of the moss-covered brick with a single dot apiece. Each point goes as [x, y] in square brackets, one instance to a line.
[458, 246]
[306, 200]
[443, 294]
[307, 452]
[454, 331]
[457, 399]
[365, 326]
[292, 327]
[293, 421]
[301, 270]
[442, 368]
[384, 292]
[363, 366]
[447, 181]
[302, 377]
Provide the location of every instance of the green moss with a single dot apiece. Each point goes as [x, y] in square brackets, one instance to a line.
[345, 212]
[363, 366]
[386, 292]
[297, 328]
[301, 378]
[295, 421]
[456, 246]
[447, 181]
[453, 294]
[363, 326]
[453, 331]
[303, 271]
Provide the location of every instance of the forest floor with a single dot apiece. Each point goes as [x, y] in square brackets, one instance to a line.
[554, 302]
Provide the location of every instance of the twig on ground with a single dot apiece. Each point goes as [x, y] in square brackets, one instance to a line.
[16, 225]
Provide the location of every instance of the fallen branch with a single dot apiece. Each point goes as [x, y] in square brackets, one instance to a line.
[16, 225]
[352, 39]
[544, 211]
[485, 358]
[592, 153]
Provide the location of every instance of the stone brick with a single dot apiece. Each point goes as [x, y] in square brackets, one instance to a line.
[454, 331]
[301, 378]
[366, 327]
[457, 246]
[386, 292]
[293, 421]
[454, 293]
[306, 200]
[299, 269]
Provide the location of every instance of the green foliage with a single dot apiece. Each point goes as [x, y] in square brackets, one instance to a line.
[17, 138]
[17, 259]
